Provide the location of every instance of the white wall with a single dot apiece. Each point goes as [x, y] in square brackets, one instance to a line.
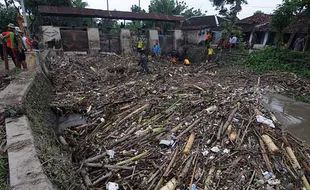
[153, 37]
[93, 38]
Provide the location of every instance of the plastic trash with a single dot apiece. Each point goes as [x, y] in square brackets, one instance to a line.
[226, 151]
[267, 175]
[215, 149]
[274, 182]
[205, 153]
[167, 143]
[110, 153]
[194, 187]
[211, 109]
[263, 120]
[112, 186]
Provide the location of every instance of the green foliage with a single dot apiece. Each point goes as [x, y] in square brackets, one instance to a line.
[259, 12]
[137, 9]
[7, 15]
[303, 98]
[229, 8]
[171, 7]
[278, 59]
[79, 3]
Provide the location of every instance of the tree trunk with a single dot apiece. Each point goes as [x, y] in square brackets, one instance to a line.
[307, 39]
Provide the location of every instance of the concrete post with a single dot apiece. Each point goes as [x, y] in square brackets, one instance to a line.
[266, 38]
[126, 42]
[177, 35]
[153, 37]
[93, 40]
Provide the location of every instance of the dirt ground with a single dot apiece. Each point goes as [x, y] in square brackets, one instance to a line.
[178, 127]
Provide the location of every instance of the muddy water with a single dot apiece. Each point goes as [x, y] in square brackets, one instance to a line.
[294, 116]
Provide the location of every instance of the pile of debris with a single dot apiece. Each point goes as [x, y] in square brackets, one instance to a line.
[179, 127]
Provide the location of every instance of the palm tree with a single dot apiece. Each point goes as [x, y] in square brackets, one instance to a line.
[79, 3]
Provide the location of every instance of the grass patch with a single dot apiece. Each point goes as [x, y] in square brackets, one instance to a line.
[303, 98]
[3, 173]
[277, 59]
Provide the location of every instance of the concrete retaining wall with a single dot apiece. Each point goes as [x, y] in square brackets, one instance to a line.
[25, 169]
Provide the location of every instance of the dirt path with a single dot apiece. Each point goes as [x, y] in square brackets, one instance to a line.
[179, 125]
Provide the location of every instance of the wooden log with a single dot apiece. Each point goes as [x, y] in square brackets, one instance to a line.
[296, 165]
[95, 158]
[118, 167]
[270, 144]
[93, 165]
[230, 117]
[86, 178]
[189, 128]
[160, 182]
[102, 178]
[132, 159]
[62, 140]
[189, 143]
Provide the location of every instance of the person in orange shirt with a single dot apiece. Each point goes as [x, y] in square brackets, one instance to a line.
[208, 38]
[9, 36]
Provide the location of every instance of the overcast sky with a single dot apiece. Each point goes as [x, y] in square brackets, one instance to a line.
[266, 6]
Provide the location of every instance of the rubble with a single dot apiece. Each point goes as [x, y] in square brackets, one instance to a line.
[178, 127]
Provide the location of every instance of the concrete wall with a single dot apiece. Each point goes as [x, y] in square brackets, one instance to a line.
[93, 39]
[177, 38]
[153, 37]
[192, 36]
[50, 33]
[126, 42]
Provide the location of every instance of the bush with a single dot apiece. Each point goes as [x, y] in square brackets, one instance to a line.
[277, 59]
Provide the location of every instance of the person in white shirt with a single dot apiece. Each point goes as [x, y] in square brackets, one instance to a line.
[1, 46]
[233, 41]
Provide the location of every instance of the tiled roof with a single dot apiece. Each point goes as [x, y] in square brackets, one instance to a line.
[256, 19]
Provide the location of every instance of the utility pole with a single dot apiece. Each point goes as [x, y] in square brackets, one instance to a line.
[24, 12]
[107, 4]
[139, 5]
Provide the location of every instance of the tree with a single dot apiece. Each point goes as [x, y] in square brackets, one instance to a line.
[229, 9]
[289, 11]
[137, 9]
[7, 15]
[259, 12]
[192, 12]
[79, 3]
[169, 7]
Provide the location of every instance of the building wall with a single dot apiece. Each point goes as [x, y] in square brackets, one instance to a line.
[153, 37]
[198, 36]
[126, 42]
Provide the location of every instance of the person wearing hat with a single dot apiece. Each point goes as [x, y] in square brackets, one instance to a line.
[9, 36]
[21, 48]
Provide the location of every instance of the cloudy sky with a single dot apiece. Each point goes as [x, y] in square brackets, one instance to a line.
[266, 6]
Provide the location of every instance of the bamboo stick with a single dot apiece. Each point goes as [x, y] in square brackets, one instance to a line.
[270, 144]
[117, 167]
[296, 165]
[132, 159]
[102, 178]
[189, 128]
[208, 180]
[265, 156]
[170, 185]
[160, 182]
[166, 173]
[95, 158]
[184, 172]
[189, 143]
[133, 113]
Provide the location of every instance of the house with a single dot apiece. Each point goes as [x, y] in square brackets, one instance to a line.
[257, 28]
[195, 28]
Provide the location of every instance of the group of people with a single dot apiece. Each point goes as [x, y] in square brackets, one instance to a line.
[16, 44]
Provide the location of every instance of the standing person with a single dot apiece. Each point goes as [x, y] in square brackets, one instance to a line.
[233, 41]
[210, 54]
[156, 49]
[143, 62]
[1, 46]
[299, 44]
[208, 38]
[21, 48]
[9, 36]
[139, 45]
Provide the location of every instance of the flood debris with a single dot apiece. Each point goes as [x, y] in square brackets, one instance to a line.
[177, 128]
